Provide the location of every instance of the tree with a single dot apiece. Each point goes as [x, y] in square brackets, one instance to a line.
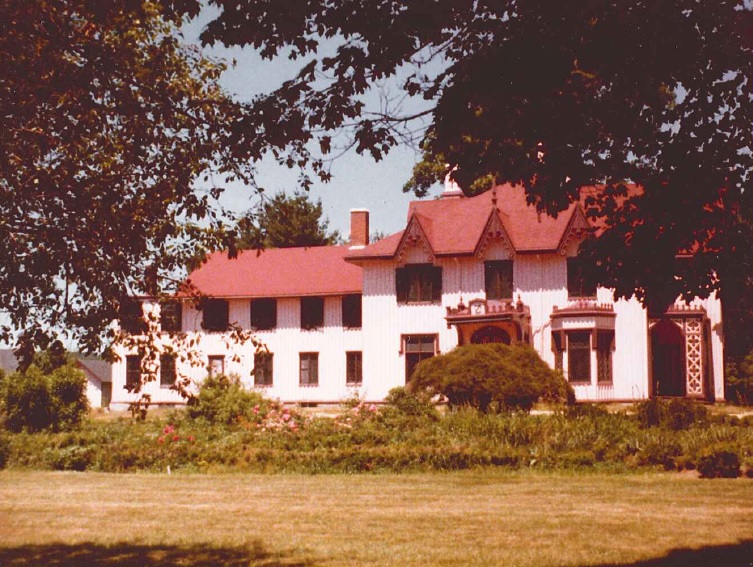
[107, 121]
[285, 222]
[556, 96]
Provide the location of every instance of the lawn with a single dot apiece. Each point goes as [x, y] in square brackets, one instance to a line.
[469, 518]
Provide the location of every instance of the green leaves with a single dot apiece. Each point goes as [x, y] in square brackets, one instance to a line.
[107, 120]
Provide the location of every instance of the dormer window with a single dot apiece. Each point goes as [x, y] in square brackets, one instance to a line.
[419, 283]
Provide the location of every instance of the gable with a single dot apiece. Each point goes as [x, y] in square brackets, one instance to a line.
[414, 246]
[494, 242]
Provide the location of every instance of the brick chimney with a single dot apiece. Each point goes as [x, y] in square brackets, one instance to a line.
[359, 228]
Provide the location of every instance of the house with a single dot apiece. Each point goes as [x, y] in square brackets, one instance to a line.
[98, 375]
[342, 320]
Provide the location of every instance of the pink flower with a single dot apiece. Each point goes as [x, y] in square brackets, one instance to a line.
[191, 438]
[286, 417]
[176, 438]
[168, 429]
[160, 439]
[372, 408]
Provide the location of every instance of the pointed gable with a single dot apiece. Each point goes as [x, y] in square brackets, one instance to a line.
[466, 226]
[577, 229]
[414, 245]
[494, 233]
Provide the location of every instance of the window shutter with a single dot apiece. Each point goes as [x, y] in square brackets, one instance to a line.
[401, 284]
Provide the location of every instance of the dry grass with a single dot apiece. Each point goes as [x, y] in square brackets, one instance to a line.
[477, 518]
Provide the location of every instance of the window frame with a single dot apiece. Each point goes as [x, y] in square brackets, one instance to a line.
[354, 368]
[309, 304]
[418, 284]
[167, 361]
[171, 322]
[264, 361]
[583, 352]
[499, 268]
[577, 286]
[604, 347]
[131, 316]
[133, 369]
[266, 320]
[310, 358]
[210, 367]
[352, 311]
[414, 356]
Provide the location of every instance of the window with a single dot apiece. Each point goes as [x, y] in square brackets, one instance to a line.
[418, 283]
[171, 316]
[216, 365]
[578, 284]
[263, 368]
[417, 348]
[312, 312]
[215, 315]
[132, 317]
[309, 369]
[579, 356]
[498, 279]
[604, 347]
[264, 314]
[352, 311]
[354, 368]
[167, 373]
[133, 372]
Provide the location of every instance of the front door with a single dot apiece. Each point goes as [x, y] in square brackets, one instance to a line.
[668, 358]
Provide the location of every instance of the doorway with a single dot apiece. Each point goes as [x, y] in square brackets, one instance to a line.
[668, 359]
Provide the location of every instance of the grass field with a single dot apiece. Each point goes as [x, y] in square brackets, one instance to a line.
[471, 518]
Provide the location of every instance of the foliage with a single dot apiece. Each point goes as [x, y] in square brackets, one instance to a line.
[410, 403]
[285, 222]
[223, 399]
[367, 438]
[107, 121]
[556, 96]
[675, 414]
[35, 401]
[739, 380]
[719, 462]
[512, 377]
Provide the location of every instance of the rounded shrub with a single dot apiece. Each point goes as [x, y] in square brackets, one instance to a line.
[223, 399]
[482, 376]
[27, 401]
[719, 462]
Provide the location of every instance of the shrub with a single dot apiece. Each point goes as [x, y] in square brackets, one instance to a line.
[4, 450]
[68, 392]
[410, 404]
[676, 414]
[719, 462]
[512, 377]
[27, 400]
[223, 399]
[36, 401]
[739, 380]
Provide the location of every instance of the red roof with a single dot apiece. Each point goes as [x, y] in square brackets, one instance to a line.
[455, 226]
[279, 272]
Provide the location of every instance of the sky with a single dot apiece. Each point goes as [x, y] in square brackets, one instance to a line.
[358, 181]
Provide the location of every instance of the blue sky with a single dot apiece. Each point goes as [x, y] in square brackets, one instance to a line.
[358, 181]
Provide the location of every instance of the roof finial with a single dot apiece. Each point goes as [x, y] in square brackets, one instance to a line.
[451, 188]
[494, 196]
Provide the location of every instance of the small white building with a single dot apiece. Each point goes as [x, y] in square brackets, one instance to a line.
[341, 320]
